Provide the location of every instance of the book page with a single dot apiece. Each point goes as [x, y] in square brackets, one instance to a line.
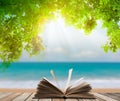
[68, 80]
[77, 82]
[46, 89]
[83, 87]
[51, 86]
[54, 77]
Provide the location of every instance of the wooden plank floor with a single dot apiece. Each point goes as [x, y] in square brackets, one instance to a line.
[25, 96]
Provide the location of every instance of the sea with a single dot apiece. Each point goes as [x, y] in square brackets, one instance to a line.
[29, 74]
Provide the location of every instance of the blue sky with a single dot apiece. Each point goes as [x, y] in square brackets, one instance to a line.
[65, 43]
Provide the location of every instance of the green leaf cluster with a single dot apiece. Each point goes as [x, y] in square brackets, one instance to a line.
[22, 20]
[84, 14]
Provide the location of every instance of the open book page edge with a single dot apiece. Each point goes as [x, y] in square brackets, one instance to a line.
[79, 91]
[47, 89]
[54, 77]
[83, 84]
[48, 96]
[49, 81]
[74, 89]
[76, 83]
[68, 80]
[53, 84]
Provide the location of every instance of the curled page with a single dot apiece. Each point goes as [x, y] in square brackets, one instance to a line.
[68, 80]
[54, 77]
[77, 82]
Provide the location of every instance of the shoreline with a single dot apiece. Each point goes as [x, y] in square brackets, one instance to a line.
[98, 90]
[32, 84]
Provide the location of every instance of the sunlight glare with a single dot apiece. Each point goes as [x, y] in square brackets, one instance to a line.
[55, 33]
[64, 41]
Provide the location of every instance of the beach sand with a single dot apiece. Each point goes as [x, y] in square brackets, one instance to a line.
[99, 90]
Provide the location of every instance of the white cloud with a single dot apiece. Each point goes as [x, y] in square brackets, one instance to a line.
[85, 54]
[56, 50]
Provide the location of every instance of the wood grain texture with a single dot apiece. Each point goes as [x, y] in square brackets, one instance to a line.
[4, 94]
[22, 97]
[17, 96]
[106, 98]
[10, 97]
[57, 99]
[72, 100]
[30, 98]
[112, 95]
[45, 99]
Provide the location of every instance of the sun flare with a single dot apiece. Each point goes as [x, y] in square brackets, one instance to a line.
[55, 32]
[66, 42]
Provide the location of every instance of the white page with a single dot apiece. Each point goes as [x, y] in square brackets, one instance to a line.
[68, 80]
[77, 82]
[54, 77]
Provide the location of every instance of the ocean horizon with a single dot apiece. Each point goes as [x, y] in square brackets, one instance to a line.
[28, 74]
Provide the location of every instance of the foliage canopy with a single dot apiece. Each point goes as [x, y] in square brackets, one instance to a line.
[22, 20]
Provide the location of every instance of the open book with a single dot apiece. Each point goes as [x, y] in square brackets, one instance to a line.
[46, 89]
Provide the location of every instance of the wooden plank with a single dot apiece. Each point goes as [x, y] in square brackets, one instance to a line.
[80, 99]
[72, 99]
[34, 100]
[89, 100]
[96, 100]
[93, 100]
[30, 97]
[45, 99]
[112, 95]
[117, 94]
[22, 97]
[85, 100]
[1, 93]
[106, 98]
[10, 97]
[4, 94]
[100, 99]
[57, 99]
